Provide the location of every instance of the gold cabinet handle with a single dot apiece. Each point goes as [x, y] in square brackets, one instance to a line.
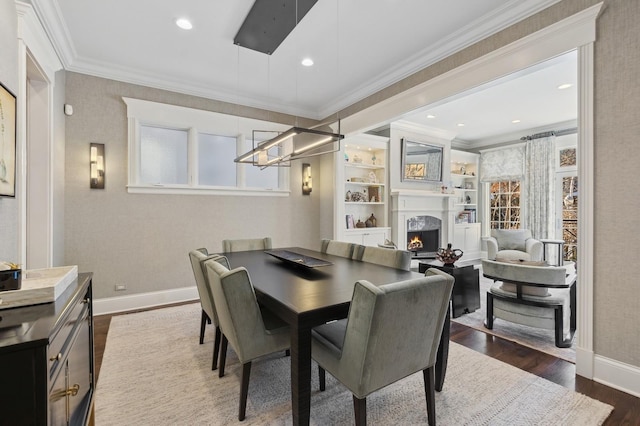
[56, 358]
[73, 390]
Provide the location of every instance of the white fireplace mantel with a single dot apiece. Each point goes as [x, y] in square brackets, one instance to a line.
[410, 203]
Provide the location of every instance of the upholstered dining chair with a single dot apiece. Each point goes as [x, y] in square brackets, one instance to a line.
[198, 257]
[399, 259]
[391, 332]
[229, 246]
[251, 330]
[338, 248]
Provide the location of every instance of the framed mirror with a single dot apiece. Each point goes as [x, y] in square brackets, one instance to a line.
[421, 162]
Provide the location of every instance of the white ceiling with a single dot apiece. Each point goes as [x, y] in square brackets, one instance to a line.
[359, 47]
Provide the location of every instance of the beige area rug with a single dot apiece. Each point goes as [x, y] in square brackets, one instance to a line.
[536, 338]
[154, 372]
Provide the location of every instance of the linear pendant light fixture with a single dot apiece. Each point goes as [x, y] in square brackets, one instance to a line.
[264, 28]
[295, 143]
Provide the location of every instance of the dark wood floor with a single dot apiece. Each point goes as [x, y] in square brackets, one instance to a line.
[626, 407]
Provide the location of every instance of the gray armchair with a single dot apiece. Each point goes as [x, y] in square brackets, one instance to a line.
[197, 258]
[338, 248]
[394, 258]
[392, 331]
[251, 331]
[513, 244]
[229, 246]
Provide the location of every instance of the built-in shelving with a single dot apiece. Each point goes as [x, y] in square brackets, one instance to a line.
[464, 180]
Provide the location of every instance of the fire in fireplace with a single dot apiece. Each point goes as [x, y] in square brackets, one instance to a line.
[423, 236]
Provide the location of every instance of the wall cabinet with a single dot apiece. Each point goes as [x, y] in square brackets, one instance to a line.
[361, 190]
[46, 360]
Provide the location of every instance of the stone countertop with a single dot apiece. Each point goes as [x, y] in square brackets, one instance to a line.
[39, 286]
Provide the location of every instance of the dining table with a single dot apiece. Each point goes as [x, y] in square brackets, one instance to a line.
[308, 296]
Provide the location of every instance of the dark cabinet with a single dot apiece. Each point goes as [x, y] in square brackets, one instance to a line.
[465, 297]
[46, 360]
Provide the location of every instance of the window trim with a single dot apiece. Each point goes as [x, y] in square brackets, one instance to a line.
[195, 121]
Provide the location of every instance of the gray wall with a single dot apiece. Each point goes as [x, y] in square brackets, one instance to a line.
[142, 240]
[9, 77]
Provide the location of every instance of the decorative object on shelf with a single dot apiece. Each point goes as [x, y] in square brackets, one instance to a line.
[346, 157]
[467, 199]
[468, 185]
[347, 196]
[307, 186]
[359, 197]
[372, 177]
[373, 220]
[357, 159]
[373, 159]
[374, 194]
[448, 256]
[360, 224]
[443, 189]
[96, 165]
[463, 170]
[357, 179]
[10, 276]
[350, 221]
[7, 142]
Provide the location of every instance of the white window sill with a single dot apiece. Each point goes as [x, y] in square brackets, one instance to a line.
[189, 190]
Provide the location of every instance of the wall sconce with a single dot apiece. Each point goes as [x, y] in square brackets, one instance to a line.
[306, 179]
[97, 166]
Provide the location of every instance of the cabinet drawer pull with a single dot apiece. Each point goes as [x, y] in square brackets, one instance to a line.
[86, 300]
[56, 358]
[73, 390]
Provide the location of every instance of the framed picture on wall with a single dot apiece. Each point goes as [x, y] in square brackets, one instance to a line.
[7, 143]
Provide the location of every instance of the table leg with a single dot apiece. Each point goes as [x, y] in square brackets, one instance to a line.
[443, 352]
[300, 374]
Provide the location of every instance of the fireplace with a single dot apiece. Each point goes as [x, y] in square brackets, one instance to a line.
[423, 236]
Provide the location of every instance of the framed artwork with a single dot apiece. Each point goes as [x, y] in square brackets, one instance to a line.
[7, 143]
[350, 221]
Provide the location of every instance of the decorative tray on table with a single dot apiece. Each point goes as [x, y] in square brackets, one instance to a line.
[298, 259]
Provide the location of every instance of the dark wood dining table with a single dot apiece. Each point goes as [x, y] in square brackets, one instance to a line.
[306, 297]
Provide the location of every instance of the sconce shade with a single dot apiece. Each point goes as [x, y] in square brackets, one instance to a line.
[307, 185]
[96, 166]
[295, 143]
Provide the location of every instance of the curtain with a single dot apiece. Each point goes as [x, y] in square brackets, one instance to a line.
[539, 184]
[502, 164]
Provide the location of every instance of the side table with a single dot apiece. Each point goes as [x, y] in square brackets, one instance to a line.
[465, 297]
[559, 243]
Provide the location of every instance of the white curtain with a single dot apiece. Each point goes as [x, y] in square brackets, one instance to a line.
[539, 213]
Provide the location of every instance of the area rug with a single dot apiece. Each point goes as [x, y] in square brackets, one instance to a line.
[536, 338]
[154, 372]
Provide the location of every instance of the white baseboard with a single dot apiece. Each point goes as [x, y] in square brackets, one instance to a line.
[133, 302]
[617, 375]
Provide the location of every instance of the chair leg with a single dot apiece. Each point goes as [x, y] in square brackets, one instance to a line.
[429, 375]
[244, 390]
[203, 321]
[216, 348]
[360, 410]
[489, 321]
[223, 356]
[322, 378]
[287, 352]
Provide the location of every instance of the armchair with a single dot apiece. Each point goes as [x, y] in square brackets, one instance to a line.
[513, 244]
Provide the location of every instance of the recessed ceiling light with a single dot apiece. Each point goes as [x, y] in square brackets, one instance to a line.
[307, 62]
[460, 124]
[431, 116]
[565, 86]
[515, 121]
[184, 23]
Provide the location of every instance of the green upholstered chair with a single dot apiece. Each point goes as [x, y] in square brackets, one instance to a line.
[338, 248]
[399, 259]
[513, 244]
[229, 246]
[197, 258]
[391, 332]
[251, 330]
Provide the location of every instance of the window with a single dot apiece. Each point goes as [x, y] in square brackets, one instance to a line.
[183, 150]
[504, 204]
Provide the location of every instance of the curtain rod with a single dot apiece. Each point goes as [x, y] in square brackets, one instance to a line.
[550, 133]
